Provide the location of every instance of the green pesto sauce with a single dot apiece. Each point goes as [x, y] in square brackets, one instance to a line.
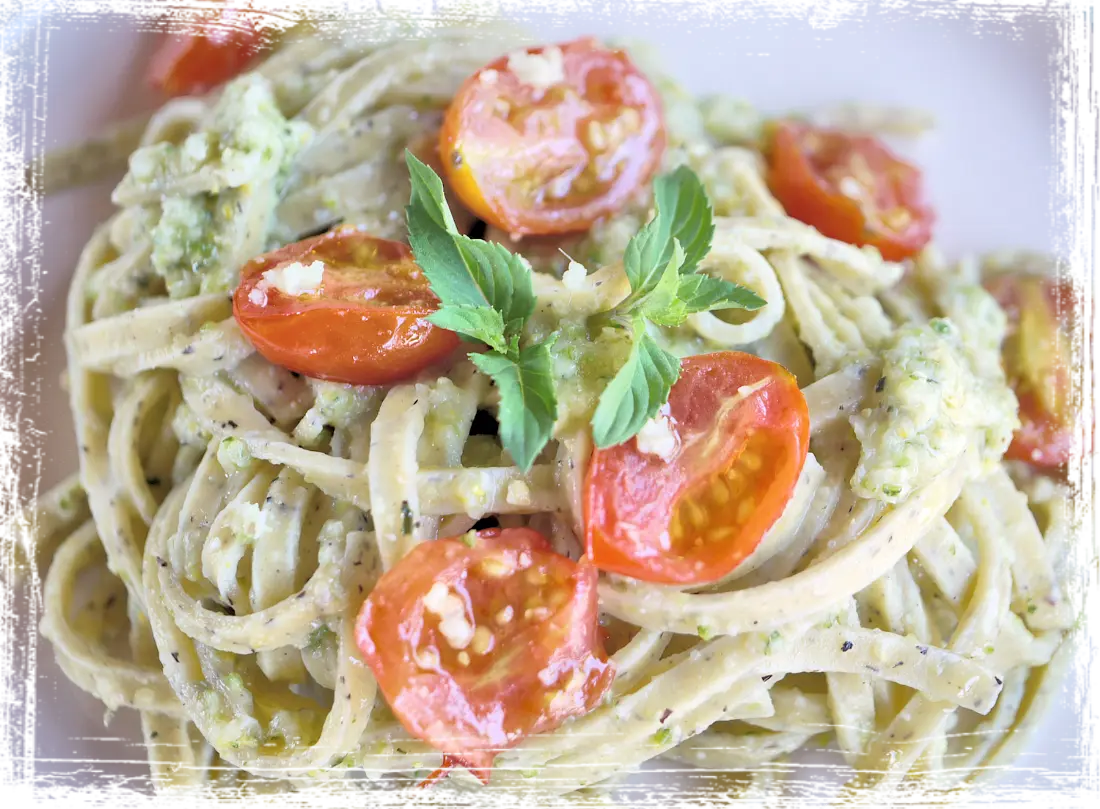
[583, 364]
[249, 142]
[937, 399]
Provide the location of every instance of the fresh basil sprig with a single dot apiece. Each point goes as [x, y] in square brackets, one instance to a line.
[660, 263]
[487, 297]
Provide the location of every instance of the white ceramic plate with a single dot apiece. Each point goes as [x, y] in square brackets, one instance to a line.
[989, 166]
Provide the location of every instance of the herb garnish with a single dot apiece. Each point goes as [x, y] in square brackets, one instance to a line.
[660, 263]
[486, 296]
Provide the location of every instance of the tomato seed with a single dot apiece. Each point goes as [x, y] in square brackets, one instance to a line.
[744, 510]
[675, 529]
[696, 514]
[719, 534]
[482, 642]
[495, 568]
[718, 492]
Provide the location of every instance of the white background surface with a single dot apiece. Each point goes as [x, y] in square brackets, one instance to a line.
[989, 167]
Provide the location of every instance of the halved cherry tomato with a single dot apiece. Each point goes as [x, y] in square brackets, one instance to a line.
[185, 64]
[479, 642]
[850, 188]
[742, 430]
[1036, 359]
[366, 325]
[555, 157]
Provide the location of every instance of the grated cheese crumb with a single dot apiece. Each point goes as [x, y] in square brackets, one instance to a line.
[294, 279]
[657, 437]
[518, 493]
[489, 77]
[540, 70]
[448, 607]
[574, 276]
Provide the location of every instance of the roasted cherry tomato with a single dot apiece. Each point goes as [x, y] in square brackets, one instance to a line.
[551, 139]
[850, 188]
[479, 641]
[366, 323]
[740, 430]
[186, 64]
[1036, 360]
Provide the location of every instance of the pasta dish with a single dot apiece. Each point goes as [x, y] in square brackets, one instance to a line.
[461, 410]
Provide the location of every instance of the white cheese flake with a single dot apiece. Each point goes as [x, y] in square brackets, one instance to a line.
[539, 70]
[294, 279]
[448, 607]
[489, 77]
[657, 436]
[574, 276]
[518, 493]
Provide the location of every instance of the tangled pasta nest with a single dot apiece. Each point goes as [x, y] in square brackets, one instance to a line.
[233, 515]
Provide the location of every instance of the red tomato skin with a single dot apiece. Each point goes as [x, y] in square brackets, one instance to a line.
[340, 340]
[187, 64]
[328, 328]
[808, 197]
[471, 720]
[483, 155]
[625, 487]
[1042, 440]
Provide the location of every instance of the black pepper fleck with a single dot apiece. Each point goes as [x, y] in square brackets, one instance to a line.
[665, 715]
[880, 386]
[847, 645]
[999, 681]
[766, 677]
[922, 649]
[188, 350]
[176, 656]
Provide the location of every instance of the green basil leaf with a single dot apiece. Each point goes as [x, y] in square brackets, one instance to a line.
[701, 293]
[662, 304]
[474, 322]
[684, 217]
[463, 271]
[528, 404]
[636, 392]
[643, 263]
[503, 279]
[684, 214]
[432, 231]
[427, 194]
